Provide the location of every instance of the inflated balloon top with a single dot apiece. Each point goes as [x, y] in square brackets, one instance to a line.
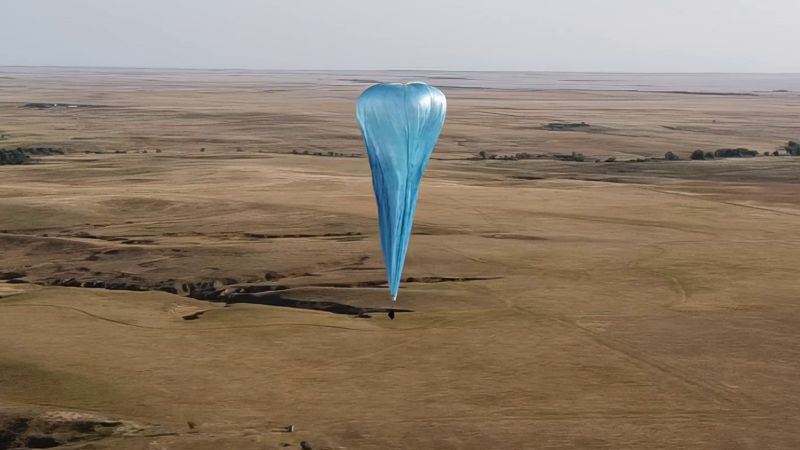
[400, 124]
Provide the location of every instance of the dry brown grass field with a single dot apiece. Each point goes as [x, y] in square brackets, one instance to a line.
[186, 269]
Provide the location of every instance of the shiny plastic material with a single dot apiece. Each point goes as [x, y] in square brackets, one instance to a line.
[400, 124]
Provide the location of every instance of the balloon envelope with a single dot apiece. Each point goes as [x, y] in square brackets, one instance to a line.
[400, 124]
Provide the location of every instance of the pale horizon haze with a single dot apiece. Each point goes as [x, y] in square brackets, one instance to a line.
[753, 36]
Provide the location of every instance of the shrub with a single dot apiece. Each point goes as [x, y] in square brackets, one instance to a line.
[697, 155]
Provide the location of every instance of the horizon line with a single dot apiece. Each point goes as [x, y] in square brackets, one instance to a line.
[210, 69]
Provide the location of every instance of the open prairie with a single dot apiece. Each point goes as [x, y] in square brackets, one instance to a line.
[202, 268]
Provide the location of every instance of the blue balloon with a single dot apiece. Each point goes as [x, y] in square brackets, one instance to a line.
[400, 124]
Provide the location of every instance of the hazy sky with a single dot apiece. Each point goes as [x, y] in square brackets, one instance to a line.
[568, 35]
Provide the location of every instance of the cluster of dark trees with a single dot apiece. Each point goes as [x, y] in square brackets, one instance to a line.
[792, 149]
[723, 153]
[22, 155]
[13, 157]
[735, 153]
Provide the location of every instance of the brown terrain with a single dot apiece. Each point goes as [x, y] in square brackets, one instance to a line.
[185, 276]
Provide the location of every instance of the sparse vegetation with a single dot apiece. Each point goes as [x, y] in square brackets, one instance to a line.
[514, 157]
[578, 157]
[329, 154]
[524, 155]
[669, 156]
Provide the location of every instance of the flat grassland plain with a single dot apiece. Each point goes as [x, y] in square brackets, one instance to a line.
[635, 303]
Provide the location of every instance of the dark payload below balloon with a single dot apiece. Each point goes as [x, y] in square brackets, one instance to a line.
[400, 124]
